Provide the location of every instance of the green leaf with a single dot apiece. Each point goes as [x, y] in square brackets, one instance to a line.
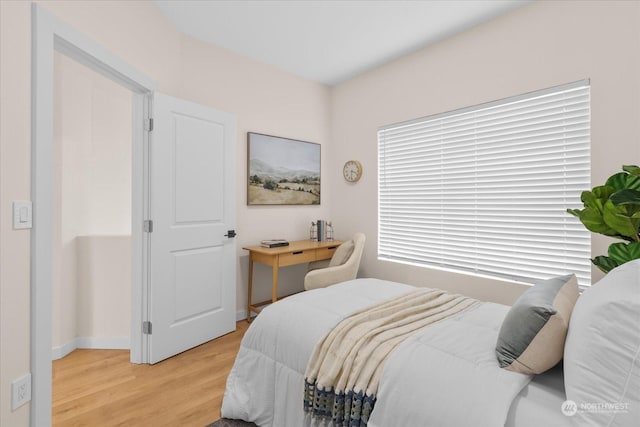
[632, 169]
[626, 197]
[594, 221]
[613, 209]
[597, 196]
[623, 180]
[624, 252]
[604, 263]
[574, 212]
[592, 215]
[617, 218]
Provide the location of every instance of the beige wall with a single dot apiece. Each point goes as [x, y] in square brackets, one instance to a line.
[92, 197]
[540, 45]
[15, 52]
[263, 98]
[103, 303]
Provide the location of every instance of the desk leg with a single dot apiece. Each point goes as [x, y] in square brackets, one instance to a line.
[250, 289]
[274, 283]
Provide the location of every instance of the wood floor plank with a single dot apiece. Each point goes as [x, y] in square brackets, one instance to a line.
[101, 387]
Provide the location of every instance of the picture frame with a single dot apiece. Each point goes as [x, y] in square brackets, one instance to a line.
[282, 171]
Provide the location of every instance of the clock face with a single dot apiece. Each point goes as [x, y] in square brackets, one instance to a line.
[352, 170]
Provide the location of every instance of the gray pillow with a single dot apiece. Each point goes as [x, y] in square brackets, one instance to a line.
[532, 335]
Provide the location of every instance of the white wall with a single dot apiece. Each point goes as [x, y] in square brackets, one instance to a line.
[92, 145]
[540, 45]
[263, 98]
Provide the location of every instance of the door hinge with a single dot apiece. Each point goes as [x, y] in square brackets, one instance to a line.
[148, 125]
[146, 327]
[148, 226]
[231, 234]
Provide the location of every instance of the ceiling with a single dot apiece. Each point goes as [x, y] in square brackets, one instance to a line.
[328, 41]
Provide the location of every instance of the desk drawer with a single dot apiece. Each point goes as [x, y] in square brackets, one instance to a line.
[297, 257]
[325, 253]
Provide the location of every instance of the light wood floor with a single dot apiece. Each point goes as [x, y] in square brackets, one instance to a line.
[101, 387]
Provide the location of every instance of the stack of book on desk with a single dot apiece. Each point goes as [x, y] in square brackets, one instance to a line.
[274, 243]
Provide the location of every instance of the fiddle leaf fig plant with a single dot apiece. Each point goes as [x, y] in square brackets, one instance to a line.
[613, 209]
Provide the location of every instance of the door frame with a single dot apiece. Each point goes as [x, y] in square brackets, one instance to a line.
[50, 34]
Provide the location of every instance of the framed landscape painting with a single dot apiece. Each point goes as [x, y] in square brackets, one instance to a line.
[282, 171]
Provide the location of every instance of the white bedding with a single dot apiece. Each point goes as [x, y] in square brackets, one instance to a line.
[446, 375]
[540, 402]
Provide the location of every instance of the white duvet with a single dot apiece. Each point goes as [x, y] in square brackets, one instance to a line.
[445, 375]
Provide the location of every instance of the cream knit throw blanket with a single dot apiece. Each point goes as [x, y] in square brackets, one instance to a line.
[341, 381]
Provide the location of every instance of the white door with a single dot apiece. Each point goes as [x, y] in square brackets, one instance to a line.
[192, 206]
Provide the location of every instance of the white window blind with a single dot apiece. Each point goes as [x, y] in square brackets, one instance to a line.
[485, 189]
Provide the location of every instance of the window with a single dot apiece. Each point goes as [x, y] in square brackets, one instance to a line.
[485, 189]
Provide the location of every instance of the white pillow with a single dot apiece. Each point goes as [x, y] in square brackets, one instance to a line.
[602, 351]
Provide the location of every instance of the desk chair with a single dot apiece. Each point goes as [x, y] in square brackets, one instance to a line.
[342, 266]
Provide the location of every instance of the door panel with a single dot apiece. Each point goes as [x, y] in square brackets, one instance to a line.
[193, 294]
[192, 205]
[199, 166]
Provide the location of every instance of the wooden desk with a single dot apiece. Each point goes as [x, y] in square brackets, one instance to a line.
[298, 252]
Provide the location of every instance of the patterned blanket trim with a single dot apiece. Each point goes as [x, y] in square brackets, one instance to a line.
[325, 403]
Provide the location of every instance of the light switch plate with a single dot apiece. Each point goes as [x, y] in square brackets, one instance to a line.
[22, 214]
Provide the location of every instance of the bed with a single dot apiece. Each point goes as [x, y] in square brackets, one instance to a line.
[445, 374]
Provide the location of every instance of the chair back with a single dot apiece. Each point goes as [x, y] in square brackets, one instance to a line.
[353, 262]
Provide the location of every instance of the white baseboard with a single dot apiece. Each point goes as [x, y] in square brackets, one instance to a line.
[61, 351]
[104, 343]
[109, 343]
[101, 343]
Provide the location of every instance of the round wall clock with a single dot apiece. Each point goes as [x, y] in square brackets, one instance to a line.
[352, 171]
